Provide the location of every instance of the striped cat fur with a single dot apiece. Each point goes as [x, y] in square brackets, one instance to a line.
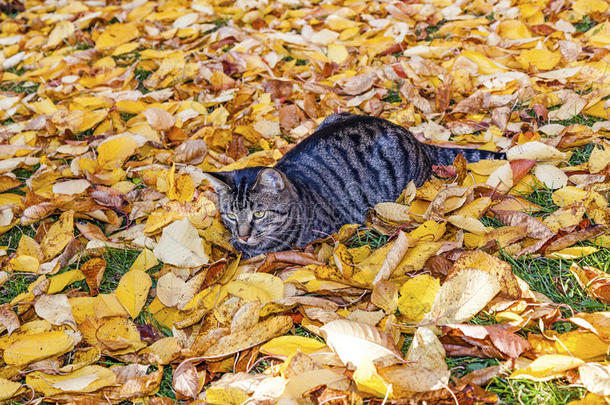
[349, 164]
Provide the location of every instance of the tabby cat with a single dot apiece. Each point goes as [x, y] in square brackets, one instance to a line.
[349, 164]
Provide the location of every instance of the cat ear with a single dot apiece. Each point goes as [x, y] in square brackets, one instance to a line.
[220, 181]
[271, 179]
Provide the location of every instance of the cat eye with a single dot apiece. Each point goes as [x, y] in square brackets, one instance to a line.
[259, 214]
[231, 216]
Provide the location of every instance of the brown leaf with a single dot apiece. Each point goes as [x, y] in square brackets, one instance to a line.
[192, 151]
[8, 318]
[93, 269]
[535, 228]
[496, 341]
[279, 89]
[185, 380]
[275, 260]
[574, 237]
[480, 377]
[91, 231]
[109, 197]
[244, 339]
[358, 84]
[159, 119]
[520, 168]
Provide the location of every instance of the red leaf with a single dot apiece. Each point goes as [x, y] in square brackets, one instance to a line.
[521, 167]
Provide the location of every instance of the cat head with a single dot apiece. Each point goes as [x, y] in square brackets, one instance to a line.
[255, 205]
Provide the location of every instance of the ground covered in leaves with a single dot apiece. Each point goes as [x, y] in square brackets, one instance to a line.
[488, 283]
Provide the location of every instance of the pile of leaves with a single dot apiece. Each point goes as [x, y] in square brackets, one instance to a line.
[118, 282]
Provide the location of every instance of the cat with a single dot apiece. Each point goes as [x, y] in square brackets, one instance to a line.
[349, 164]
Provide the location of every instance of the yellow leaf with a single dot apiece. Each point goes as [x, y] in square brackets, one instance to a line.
[132, 291]
[115, 35]
[9, 389]
[599, 36]
[82, 308]
[585, 7]
[476, 208]
[38, 346]
[87, 379]
[486, 65]
[257, 286]
[428, 231]
[416, 257]
[513, 29]
[337, 53]
[417, 296]
[107, 305]
[58, 282]
[575, 252]
[58, 236]
[113, 152]
[541, 59]
[367, 380]
[180, 245]
[468, 224]
[548, 367]
[163, 351]
[145, 260]
[393, 211]
[25, 263]
[62, 30]
[599, 159]
[120, 335]
[578, 343]
[289, 345]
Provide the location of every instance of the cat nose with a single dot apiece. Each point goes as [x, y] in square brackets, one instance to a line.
[245, 238]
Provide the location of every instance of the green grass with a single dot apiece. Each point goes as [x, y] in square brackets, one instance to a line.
[141, 75]
[127, 116]
[299, 330]
[544, 198]
[493, 222]
[79, 136]
[585, 24]
[118, 262]
[484, 318]
[582, 119]
[165, 390]
[20, 87]
[460, 366]
[521, 391]
[24, 173]
[553, 278]
[393, 96]
[15, 285]
[581, 155]
[12, 237]
[369, 237]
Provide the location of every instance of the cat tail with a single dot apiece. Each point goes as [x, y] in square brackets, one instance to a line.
[446, 156]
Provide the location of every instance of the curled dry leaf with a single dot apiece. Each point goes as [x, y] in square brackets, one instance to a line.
[180, 245]
[8, 318]
[551, 176]
[56, 309]
[93, 269]
[393, 258]
[425, 368]
[462, 296]
[159, 119]
[185, 380]
[595, 378]
[357, 343]
[191, 152]
[244, 339]
[534, 150]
